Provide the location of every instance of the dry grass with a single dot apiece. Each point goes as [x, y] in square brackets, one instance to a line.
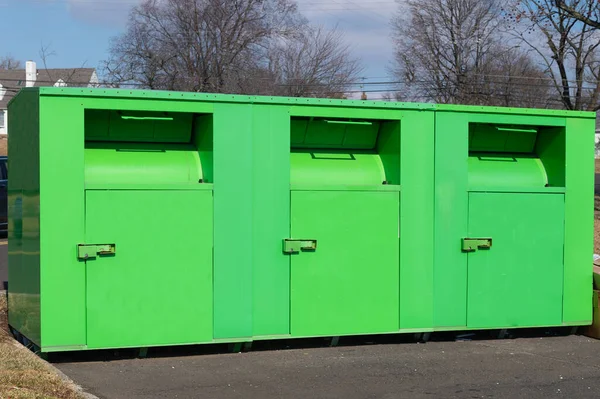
[3, 319]
[4, 145]
[23, 375]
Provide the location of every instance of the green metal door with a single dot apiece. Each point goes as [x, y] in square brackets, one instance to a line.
[157, 287]
[350, 283]
[518, 281]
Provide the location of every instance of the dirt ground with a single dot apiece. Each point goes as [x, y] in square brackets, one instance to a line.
[23, 375]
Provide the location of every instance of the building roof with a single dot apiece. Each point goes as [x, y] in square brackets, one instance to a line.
[14, 80]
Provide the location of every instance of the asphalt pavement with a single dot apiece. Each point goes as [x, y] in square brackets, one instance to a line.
[539, 367]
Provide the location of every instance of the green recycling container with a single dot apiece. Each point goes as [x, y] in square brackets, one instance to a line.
[146, 218]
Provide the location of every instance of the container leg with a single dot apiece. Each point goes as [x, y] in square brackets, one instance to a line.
[236, 347]
[143, 353]
[422, 337]
[574, 330]
[334, 341]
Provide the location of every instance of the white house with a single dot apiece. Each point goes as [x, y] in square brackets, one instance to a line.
[11, 81]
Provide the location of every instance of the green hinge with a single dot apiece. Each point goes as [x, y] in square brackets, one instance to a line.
[296, 246]
[90, 251]
[473, 244]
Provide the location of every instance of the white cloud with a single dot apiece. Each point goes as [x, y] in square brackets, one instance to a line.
[114, 12]
[366, 27]
[100, 12]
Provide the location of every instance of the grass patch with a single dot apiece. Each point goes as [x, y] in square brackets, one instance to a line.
[23, 375]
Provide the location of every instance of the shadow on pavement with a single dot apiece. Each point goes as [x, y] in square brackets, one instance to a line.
[310, 343]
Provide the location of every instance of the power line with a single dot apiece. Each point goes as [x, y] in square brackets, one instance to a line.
[526, 82]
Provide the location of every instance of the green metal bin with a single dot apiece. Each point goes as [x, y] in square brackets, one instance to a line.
[143, 218]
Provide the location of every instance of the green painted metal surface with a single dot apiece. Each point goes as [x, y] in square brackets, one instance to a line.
[233, 218]
[270, 221]
[502, 170]
[451, 217]
[138, 126]
[336, 168]
[349, 283]
[579, 224]
[161, 272]
[139, 163]
[417, 220]
[198, 193]
[518, 280]
[24, 217]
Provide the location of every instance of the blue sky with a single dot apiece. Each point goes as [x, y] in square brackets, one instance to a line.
[78, 31]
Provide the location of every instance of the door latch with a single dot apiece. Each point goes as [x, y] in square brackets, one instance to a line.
[90, 251]
[473, 244]
[296, 246]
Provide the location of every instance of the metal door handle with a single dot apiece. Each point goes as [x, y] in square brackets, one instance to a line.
[473, 244]
[90, 251]
[296, 246]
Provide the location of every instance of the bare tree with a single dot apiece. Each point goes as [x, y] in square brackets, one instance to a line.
[567, 47]
[9, 62]
[220, 46]
[591, 16]
[315, 64]
[49, 76]
[450, 51]
[196, 45]
[514, 79]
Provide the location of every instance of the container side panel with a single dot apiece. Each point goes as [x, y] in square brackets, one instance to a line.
[451, 216]
[233, 221]
[271, 220]
[579, 221]
[157, 288]
[550, 148]
[62, 221]
[416, 215]
[24, 216]
[203, 140]
[388, 147]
